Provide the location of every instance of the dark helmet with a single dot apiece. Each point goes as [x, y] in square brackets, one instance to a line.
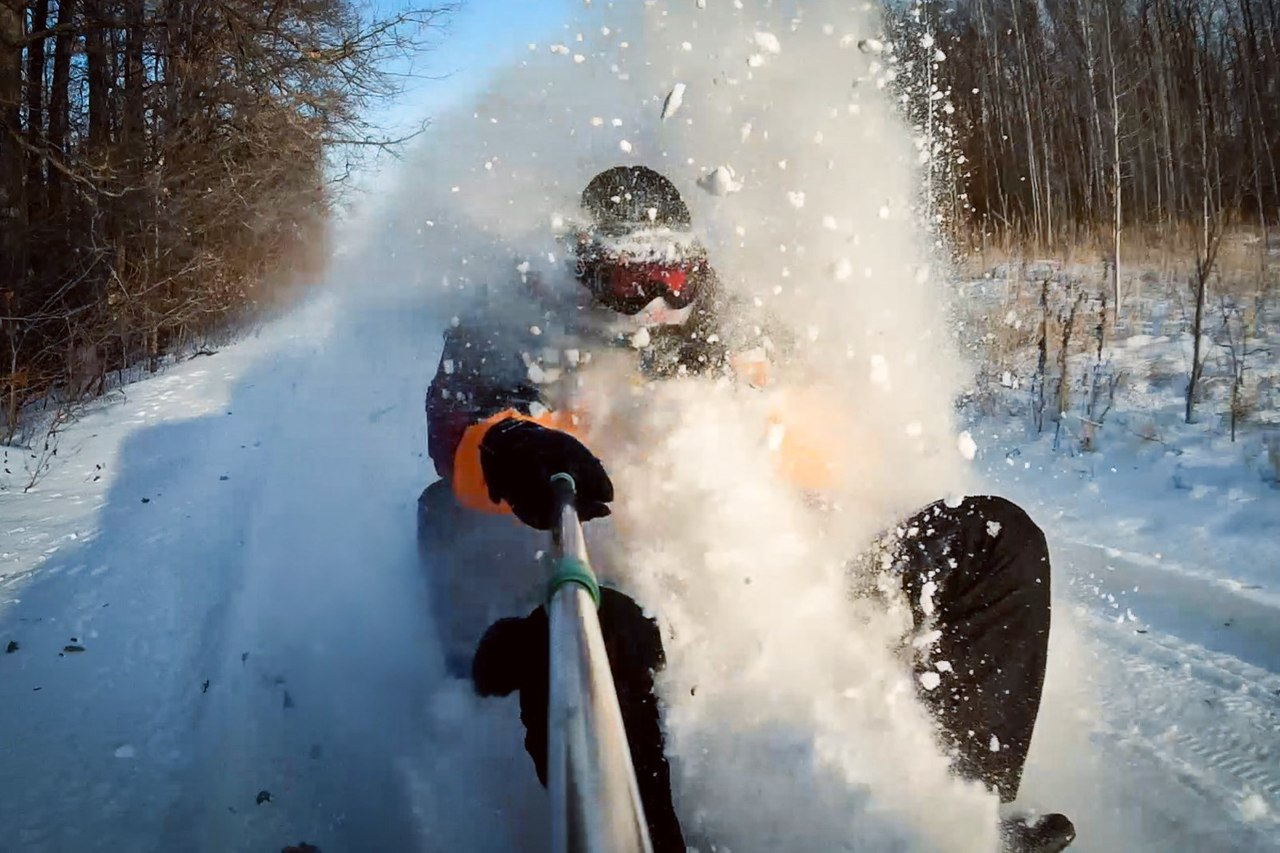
[626, 198]
[638, 245]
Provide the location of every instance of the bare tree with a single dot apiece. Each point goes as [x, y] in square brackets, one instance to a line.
[174, 174]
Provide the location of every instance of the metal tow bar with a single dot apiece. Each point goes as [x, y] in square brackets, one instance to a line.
[595, 800]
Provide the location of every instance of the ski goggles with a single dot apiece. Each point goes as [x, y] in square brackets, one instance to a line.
[629, 287]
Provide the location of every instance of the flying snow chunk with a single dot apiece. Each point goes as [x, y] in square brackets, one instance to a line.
[720, 181]
[872, 46]
[768, 42]
[993, 529]
[596, 121]
[915, 428]
[777, 433]
[796, 199]
[125, 751]
[927, 639]
[579, 58]
[1253, 807]
[561, 49]
[625, 146]
[968, 447]
[880, 371]
[640, 339]
[702, 4]
[927, 592]
[930, 680]
[842, 269]
[674, 99]
[994, 746]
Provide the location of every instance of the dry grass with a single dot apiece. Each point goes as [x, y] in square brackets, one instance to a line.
[1167, 253]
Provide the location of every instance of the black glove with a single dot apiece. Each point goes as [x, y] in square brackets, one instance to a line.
[519, 457]
[503, 658]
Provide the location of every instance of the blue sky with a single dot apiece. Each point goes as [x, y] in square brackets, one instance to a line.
[480, 36]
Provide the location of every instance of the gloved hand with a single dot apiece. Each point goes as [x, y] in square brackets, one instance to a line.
[505, 655]
[518, 458]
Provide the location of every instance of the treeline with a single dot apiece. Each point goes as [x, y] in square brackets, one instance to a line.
[1075, 116]
[162, 162]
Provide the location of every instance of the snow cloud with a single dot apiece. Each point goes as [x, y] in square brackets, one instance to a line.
[777, 683]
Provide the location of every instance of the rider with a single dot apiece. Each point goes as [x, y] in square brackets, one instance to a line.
[501, 422]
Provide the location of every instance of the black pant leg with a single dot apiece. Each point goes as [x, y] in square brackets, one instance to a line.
[517, 651]
[978, 573]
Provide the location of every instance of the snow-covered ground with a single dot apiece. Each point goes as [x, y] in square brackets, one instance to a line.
[1166, 536]
[216, 593]
[232, 547]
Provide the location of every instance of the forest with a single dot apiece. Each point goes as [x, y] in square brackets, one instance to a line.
[1075, 118]
[166, 167]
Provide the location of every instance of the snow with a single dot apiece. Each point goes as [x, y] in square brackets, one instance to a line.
[1166, 537]
[767, 42]
[672, 103]
[1254, 807]
[231, 541]
[720, 181]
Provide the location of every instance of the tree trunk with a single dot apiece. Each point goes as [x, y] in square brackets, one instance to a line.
[1116, 191]
[59, 102]
[13, 207]
[35, 113]
[99, 78]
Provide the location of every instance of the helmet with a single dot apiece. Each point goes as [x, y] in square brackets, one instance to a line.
[628, 198]
[637, 253]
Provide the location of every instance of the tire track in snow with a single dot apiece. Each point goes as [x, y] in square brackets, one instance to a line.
[1169, 707]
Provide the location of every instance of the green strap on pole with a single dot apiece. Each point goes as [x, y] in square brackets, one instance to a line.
[572, 570]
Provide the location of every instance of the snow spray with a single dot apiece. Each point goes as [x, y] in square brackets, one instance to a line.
[792, 719]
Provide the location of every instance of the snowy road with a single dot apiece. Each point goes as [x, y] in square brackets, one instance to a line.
[252, 618]
[1160, 732]
[249, 603]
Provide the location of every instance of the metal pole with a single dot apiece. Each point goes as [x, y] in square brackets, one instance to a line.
[595, 800]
